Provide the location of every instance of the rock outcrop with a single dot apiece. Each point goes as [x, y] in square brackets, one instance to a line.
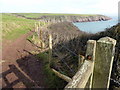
[68, 18]
[74, 18]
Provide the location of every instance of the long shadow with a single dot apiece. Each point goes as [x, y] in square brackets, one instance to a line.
[33, 68]
[20, 78]
[66, 53]
[67, 64]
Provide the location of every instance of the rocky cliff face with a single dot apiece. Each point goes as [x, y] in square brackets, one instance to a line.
[68, 18]
[74, 18]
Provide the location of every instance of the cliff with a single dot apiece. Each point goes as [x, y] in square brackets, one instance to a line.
[65, 18]
[77, 44]
[74, 18]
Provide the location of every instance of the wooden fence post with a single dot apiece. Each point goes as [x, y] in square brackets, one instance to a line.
[81, 78]
[41, 40]
[105, 48]
[35, 27]
[90, 54]
[39, 24]
[64, 77]
[80, 60]
[33, 37]
[50, 48]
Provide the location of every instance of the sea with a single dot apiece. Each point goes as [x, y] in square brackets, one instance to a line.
[97, 26]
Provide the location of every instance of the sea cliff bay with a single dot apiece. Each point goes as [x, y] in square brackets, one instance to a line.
[54, 18]
[25, 32]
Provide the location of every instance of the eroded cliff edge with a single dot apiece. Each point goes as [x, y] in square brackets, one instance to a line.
[67, 18]
[74, 18]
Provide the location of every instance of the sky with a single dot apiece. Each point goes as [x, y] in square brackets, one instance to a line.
[105, 7]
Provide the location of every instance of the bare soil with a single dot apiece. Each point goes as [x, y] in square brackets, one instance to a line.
[20, 69]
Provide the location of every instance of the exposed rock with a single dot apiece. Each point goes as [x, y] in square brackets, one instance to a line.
[68, 18]
[74, 18]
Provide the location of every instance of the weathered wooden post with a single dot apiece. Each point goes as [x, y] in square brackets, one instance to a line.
[105, 49]
[41, 39]
[90, 55]
[80, 79]
[33, 37]
[41, 34]
[64, 77]
[35, 27]
[39, 24]
[80, 60]
[50, 48]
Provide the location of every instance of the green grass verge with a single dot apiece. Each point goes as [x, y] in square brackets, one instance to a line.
[13, 27]
[51, 80]
[37, 15]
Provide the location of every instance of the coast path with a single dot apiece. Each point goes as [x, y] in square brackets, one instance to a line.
[19, 68]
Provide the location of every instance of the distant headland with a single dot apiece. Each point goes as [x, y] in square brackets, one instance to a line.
[48, 17]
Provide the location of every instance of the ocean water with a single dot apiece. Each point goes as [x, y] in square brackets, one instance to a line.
[97, 26]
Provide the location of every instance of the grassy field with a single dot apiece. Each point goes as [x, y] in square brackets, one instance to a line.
[51, 79]
[37, 15]
[13, 27]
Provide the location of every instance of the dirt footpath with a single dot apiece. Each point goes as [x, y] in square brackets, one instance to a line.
[19, 68]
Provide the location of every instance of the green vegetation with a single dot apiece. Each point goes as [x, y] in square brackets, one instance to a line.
[77, 45]
[14, 26]
[30, 38]
[51, 80]
[113, 32]
[37, 15]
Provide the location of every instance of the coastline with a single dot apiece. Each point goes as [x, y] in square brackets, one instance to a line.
[96, 26]
[65, 18]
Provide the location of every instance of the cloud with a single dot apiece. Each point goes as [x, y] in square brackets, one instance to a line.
[21, 1]
[61, 6]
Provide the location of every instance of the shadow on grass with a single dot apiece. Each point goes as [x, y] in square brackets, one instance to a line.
[20, 77]
[37, 68]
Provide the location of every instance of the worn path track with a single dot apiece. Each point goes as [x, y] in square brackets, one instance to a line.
[20, 69]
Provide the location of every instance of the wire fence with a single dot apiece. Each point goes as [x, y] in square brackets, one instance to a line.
[116, 82]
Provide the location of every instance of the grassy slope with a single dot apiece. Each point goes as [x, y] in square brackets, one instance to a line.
[37, 15]
[51, 79]
[13, 26]
[113, 32]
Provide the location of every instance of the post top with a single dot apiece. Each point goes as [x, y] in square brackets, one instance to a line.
[91, 41]
[107, 40]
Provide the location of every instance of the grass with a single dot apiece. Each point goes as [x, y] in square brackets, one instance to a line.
[51, 80]
[37, 15]
[13, 27]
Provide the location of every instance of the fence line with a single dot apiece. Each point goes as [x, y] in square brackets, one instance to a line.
[80, 79]
[105, 50]
[50, 48]
[97, 67]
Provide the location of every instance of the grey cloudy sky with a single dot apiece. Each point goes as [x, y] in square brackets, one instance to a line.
[105, 7]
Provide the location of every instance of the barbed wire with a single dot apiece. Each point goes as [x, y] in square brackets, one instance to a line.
[69, 50]
[115, 81]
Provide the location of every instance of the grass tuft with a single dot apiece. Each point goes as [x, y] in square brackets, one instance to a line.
[13, 27]
[51, 80]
